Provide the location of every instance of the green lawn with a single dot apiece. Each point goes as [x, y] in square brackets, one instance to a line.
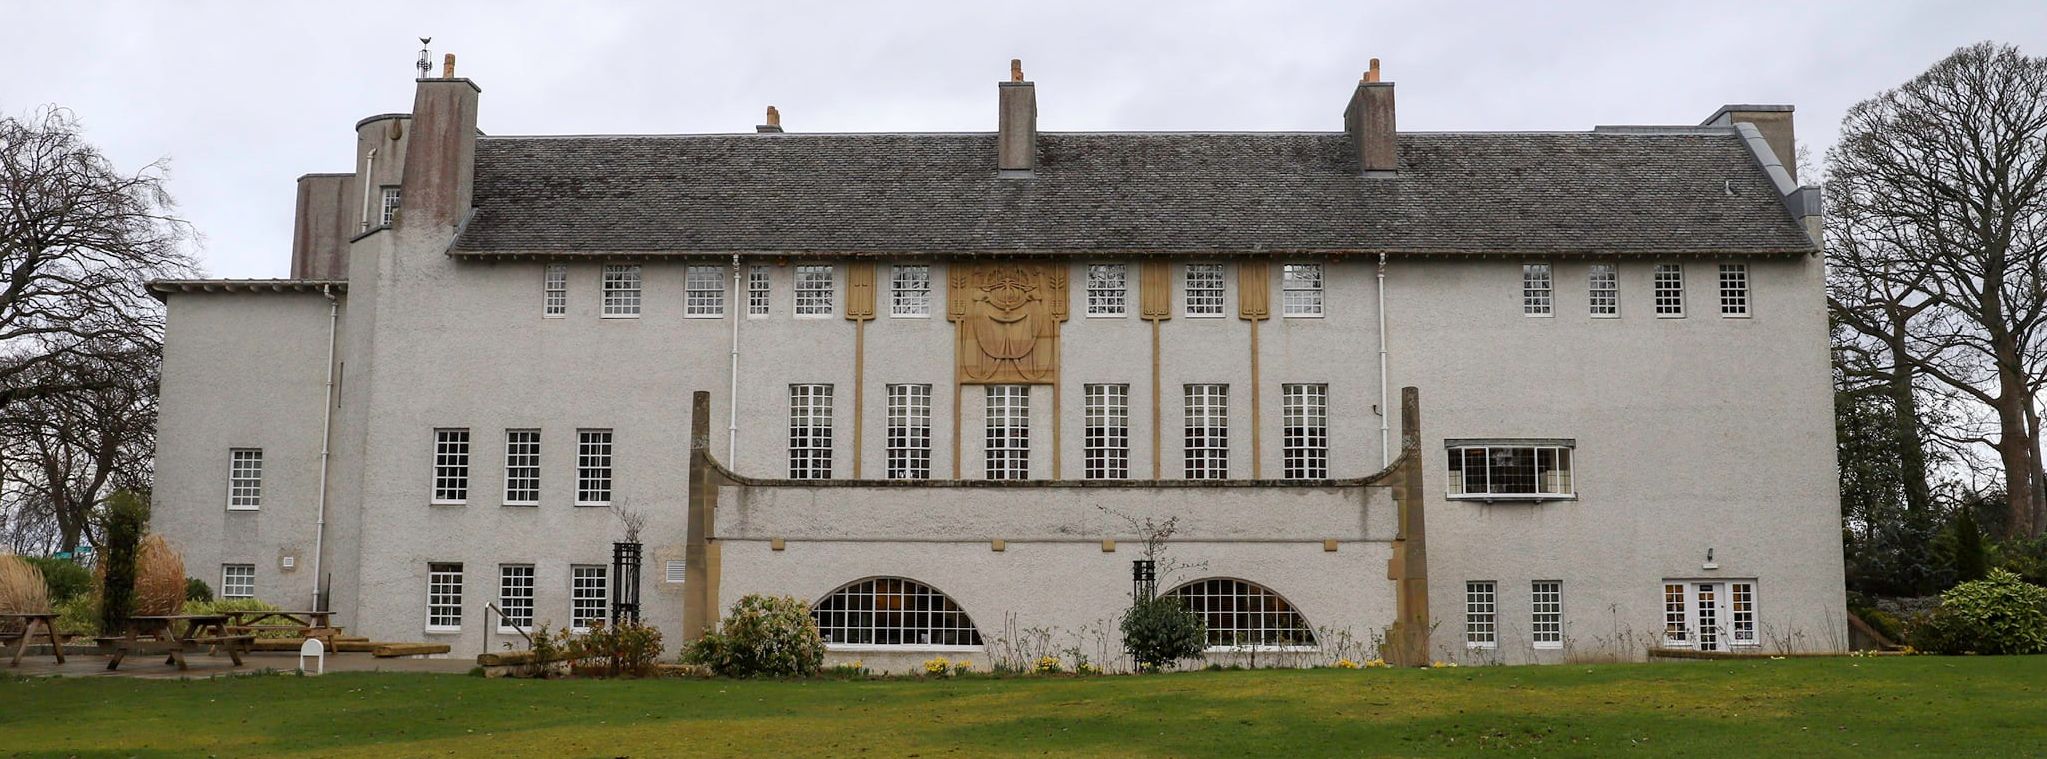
[1896, 706]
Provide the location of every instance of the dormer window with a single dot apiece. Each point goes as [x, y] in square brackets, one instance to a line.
[1510, 470]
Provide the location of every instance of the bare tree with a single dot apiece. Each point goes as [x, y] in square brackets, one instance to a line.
[1939, 191]
[63, 455]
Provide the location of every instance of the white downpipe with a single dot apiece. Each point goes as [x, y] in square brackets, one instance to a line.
[1385, 432]
[732, 397]
[326, 422]
[368, 171]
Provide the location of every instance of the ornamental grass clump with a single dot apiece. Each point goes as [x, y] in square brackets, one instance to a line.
[762, 636]
[22, 588]
[159, 578]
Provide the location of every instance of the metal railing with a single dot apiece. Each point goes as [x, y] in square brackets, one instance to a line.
[490, 629]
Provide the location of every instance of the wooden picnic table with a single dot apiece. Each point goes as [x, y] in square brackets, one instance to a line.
[160, 634]
[29, 622]
[309, 624]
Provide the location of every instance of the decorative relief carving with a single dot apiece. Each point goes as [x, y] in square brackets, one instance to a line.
[860, 291]
[1008, 317]
[1155, 291]
[1254, 290]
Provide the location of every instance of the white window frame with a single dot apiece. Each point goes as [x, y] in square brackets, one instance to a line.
[1206, 442]
[554, 288]
[1734, 291]
[522, 467]
[622, 285]
[1245, 616]
[596, 484]
[703, 292]
[444, 597]
[1108, 290]
[1209, 298]
[1546, 614]
[909, 432]
[589, 590]
[1669, 291]
[816, 291]
[1603, 291]
[1743, 616]
[1006, 453]
[893, 614]
[1561, 456]
[244, 479]
[451, 466]
[1710, 614]
[810, 431]
[1538, 289]
[515, 594]
[760, 299]
[1301, 291]
[1304, 428]
[388, 213]
[675, 572]
[909, 291]
[1481, 614]
[1106, 452]
[237, 581]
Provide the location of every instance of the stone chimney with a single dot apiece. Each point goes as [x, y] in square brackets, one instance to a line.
[774, 125]
[1369, 120]
[440, 153]
[1774, 121]
[1016, 137]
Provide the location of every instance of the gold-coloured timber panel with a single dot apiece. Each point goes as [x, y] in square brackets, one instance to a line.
[1155, 304]
[860, 291]
[859, 309]
[1008, 316]
[1254, 304]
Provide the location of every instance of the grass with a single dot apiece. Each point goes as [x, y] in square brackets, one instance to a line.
[1895, 706]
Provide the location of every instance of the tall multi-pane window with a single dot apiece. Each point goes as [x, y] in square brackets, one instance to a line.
[1741, 606]
[703, 292]
[909, 432]
[1108, 432]
[1208, 432]
[555, 290]
[621, 290]
[1481, 626]
[1546, 609]
[1009, 432]
[1204, 286]
[1108, 289]
[245, 478]
[593, 467]
[522, 467]
[1537, 290]
[1676, 615]
[237, 581]
[1604, 290]
[444, 596]
[515, 596]
[1304, 411]
[390, 212]
[1670, 290]
[1300, 290]
[814, 290]
[909, 290]
[757, 298]
[589, 595]
[810, 432]
[1734, 289]
[451, 465]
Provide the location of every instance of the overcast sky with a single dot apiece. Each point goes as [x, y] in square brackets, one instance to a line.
[242, 98]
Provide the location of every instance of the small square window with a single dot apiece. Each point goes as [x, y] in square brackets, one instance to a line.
[390, 210]
[814, 290]
[1204, 290]
[1108, 289]
[1537, 296]
[704, 292]
[910, 290]
[444, 597]
[237, 581]
[1301, 290]
[245, 479]
[622, 291]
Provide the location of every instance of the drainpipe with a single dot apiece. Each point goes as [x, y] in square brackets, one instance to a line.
[326, 423]
[1385, 439]
[732, 398]
[369, 167]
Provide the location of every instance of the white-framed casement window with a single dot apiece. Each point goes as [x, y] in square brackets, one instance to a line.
[593, 467]
[515, 597]
[1741, 617]
[810, 432]
[444, 597]
[909, 290]
[390, 211]
[758, 300]
[1709, 615]
[909, 432]
[1481, 614]
[1107, 438]
[1538, 290]
[1240, 615]
[451, 466]
[555, 291]
[1008, 451]
[589, 595]
[1300, 290]
[237, 581]
[1208, 432]
[1546, 613]
[622, 291]
[893, 611]
[1603, 290]
[244, 479]
[1203, 284]
[1304, 415]
[522, 467]
[1734, 290]
[814, 289]
[1670, 291]
[703, 292]
[1493, 470]
[1108, 289]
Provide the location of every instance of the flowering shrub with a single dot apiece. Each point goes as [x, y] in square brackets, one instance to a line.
[2000, 614]
[1376, 664]
[937, 666]
[762, 635]
[962, 666]
[1047, 665]
[1346, 664]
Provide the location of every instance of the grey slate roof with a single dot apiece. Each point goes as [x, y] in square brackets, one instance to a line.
[854, 194]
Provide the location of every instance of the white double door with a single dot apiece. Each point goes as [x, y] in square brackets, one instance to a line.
[1709, 615]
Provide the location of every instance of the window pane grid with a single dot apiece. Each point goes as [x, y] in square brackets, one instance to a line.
[390, 208]
[909, 432]
[1537, 296]
[593, 467]
[1480, 610]
[245, 478]
[1734, 289]
[556, 289]
[1604, 285]
[237, 581]
[1546, 624]
[1108, 432]
[1208, 432]
[1204, 289]
[1707, 598]
[810, 432]
[1301, 290]
[1676, 621]
[1009, 432]
[451, 466]
[515, 595]
[910, 290]
[1741, 597]
[522, 466]
[703, 293]
[1108, 289]
[757, 298]
[1510, 471]
[1239, 613]
[1670, 290]
[892, 611]
[444, 596]
[589, 595]
[622, 290]
[814, 290]
[1304, 412]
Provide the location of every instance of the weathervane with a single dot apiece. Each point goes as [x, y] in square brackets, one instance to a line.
[423, 65]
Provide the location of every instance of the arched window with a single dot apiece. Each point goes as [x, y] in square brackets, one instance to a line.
[893, 611]
[1239, 613]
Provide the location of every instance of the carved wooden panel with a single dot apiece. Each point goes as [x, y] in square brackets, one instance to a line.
[860, 291]
[1155, 290]
[1254, 290]
[1007, 316]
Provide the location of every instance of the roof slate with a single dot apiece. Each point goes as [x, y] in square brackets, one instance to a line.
[854, 194]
